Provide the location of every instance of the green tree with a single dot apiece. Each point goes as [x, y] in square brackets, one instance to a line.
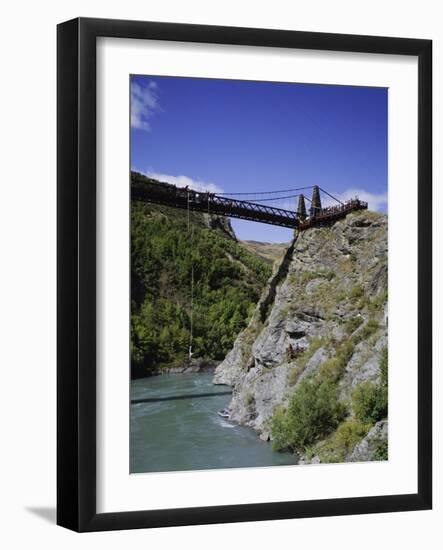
[313, 412]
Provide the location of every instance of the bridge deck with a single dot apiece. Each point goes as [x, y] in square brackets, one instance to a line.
[149, 190]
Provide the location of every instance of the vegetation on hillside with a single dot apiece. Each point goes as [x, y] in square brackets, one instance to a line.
[228, 281]
[270, 252]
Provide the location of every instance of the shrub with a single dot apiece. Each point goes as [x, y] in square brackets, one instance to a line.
[381, 450]
[384, 367]
[342, 441]
[280, 430]
[303, 358]
[370, 402]
[327, 274]
[367, 331]
[376, 304]
[307, 276]
[371, 326]
[356, 292]
[353, 324]
[294, 374]
[250, 399]
[332, 369]
[313, 412]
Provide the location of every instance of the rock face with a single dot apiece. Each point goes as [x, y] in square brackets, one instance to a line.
[373, 446]
[329, 288]
[220, 223]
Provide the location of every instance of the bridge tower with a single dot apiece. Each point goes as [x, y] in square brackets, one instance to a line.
[316, 202]
[301, 208]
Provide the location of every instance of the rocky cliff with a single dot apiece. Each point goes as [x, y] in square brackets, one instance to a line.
[310, 370]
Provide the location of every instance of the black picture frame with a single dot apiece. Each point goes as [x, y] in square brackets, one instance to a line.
[76, 266]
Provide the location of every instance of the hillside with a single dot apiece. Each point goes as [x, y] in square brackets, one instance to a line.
[310, 370]
[270, 252]
[228, 281]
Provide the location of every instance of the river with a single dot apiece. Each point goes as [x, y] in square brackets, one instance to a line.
[185, 433]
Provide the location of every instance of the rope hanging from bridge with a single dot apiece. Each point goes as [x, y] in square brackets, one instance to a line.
[191, 315]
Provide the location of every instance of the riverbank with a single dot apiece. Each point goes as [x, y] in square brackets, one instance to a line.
[198, 365]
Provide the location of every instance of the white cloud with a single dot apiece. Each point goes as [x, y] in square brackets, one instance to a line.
[183, 181]
[377, 202]
[144, 103]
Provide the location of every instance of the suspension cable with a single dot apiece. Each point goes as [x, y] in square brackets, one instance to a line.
[268, 192]
[281, 198]
[332, 197]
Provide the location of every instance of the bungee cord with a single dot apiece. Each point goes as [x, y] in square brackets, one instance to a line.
[191, 315]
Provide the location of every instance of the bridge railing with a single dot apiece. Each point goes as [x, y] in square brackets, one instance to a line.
[331, 213]
[181, 197]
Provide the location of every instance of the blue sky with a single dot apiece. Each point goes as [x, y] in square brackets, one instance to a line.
[240, 136]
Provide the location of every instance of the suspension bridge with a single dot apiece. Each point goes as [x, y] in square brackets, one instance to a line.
[239, 205]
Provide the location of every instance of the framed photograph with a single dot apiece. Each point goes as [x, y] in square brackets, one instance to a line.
[244, 274]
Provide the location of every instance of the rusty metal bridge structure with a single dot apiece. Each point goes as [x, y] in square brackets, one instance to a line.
[145, 189]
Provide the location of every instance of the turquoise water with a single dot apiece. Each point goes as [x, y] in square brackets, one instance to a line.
[187, 434]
